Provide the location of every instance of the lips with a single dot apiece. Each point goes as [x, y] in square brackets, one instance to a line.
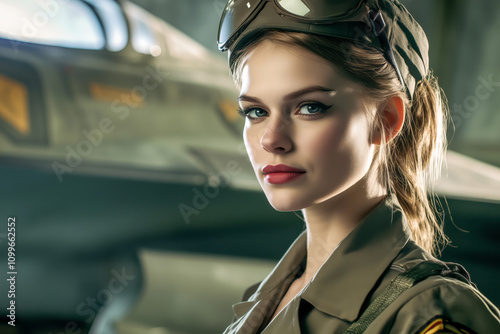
[281, 173]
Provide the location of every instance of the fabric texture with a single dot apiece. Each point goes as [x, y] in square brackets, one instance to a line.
[354, 275]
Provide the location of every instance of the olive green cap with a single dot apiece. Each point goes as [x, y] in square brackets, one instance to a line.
[406, 37]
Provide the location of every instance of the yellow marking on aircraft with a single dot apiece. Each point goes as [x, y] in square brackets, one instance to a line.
[114, 94]
[229, 110]
[14, 104]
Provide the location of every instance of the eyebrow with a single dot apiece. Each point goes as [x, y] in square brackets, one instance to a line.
[290, 96]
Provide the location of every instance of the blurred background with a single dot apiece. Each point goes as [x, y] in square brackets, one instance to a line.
[121, 159]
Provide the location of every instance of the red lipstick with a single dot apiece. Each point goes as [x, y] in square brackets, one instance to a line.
[281, 173]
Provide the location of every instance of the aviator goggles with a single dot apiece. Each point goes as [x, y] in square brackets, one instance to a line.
[352, 19]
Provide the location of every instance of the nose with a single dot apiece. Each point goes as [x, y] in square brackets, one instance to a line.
[276, 138]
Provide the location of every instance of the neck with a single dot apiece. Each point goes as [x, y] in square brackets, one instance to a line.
[329, 222]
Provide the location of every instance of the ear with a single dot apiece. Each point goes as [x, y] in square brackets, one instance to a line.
[392, 113]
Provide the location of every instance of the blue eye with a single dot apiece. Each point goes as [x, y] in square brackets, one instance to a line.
[253, 113]
[310, 109]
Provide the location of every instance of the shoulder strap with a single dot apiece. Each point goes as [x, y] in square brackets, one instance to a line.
[400, 284]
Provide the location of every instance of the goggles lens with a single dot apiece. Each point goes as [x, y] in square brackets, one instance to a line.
[236, 13]
[320, 10]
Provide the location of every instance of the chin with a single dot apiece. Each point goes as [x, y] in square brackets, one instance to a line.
[285, 198]
[285, 208]
[284, 204]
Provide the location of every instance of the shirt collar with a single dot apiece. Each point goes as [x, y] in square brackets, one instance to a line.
[286, 269]
[345, 280]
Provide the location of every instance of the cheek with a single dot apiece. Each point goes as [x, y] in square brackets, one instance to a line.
[342, 144]
[322, 142]
[250, 138]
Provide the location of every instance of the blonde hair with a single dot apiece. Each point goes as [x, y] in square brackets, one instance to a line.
[411, 160]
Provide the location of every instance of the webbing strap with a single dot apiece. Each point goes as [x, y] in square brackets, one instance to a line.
[398, 285]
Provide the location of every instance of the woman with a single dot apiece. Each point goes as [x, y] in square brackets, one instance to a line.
[345, 123]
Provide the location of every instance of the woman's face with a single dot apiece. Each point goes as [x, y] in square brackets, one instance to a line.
[304, 114]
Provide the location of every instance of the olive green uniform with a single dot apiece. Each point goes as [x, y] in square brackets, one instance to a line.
[361, 267]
